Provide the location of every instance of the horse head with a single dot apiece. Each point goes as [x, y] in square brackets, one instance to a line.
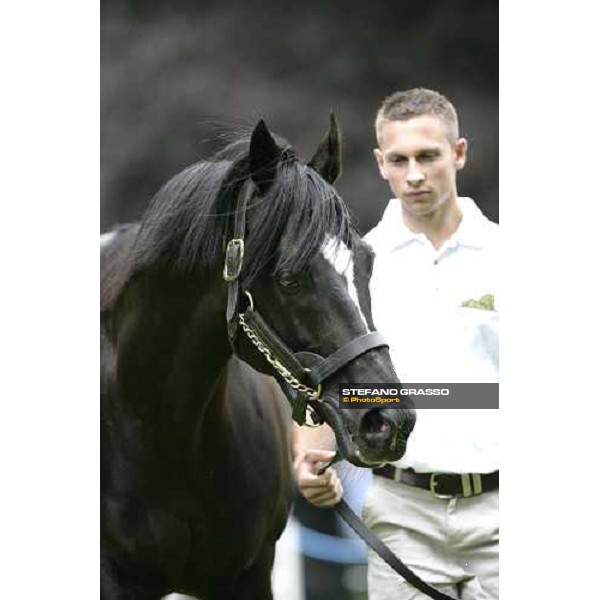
[302, 311]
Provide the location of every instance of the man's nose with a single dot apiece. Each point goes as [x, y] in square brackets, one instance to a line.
[415, 175]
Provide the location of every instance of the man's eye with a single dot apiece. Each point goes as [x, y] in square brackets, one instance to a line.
[427, 157]
[397, 160]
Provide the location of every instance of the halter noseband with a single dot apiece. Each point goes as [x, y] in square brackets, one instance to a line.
[304, 372]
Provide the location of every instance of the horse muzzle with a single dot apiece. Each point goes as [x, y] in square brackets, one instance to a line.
[367, 438]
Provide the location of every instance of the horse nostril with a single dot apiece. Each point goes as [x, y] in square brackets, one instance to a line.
[383, 427]
[376, 429]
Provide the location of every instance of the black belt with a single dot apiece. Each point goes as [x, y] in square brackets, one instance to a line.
[443, 485]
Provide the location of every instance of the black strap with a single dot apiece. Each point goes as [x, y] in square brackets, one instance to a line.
[385, 553]
[342, 356]
[234, 261]
[444, 484]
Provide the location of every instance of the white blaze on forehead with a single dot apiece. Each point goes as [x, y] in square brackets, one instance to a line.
[340, 258]
[106, 238]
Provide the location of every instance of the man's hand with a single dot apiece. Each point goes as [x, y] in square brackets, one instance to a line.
[320, 490]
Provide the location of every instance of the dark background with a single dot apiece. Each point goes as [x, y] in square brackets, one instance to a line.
[176, 75]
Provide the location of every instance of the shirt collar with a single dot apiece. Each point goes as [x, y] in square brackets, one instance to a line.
[470, 232]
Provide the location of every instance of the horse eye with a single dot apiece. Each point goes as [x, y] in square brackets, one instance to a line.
[288, 282]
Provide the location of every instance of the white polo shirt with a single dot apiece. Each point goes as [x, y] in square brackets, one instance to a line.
[416, 294]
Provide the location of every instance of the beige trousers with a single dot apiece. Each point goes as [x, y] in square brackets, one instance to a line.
[451, 544]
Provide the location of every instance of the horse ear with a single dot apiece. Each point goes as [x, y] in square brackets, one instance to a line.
[327, 161]
[264, 154]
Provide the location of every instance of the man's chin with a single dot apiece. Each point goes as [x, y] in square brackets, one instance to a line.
[421, 208]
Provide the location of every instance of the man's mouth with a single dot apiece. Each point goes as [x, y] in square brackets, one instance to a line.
[419, 194]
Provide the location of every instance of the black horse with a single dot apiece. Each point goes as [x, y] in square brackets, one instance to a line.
[196, 479]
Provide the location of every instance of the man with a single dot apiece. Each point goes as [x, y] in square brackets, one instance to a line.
[434, 297]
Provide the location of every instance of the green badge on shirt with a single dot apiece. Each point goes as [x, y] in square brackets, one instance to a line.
[486, 302]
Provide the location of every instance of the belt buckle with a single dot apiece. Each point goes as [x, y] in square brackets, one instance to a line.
[433, 483]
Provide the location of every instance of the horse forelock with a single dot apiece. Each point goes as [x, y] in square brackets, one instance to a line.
[191, 218]
[292, 221]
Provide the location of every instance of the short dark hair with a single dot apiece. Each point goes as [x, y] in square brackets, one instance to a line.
[401, 106]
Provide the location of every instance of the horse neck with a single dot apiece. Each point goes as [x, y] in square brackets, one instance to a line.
[173, 344]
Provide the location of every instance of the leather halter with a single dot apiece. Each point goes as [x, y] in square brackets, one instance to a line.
[302, 371]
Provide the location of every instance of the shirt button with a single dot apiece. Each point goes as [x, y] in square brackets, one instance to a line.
[436, 261]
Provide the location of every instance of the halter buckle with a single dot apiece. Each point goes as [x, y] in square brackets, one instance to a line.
[234, 259]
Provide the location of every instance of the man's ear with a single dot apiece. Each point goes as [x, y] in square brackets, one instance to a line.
[380, 163]
[460, 151]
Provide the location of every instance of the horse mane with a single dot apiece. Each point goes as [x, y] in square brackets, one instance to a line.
[190, 219]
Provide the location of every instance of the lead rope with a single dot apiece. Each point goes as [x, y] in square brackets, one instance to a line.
[378, 546]
[385, 553]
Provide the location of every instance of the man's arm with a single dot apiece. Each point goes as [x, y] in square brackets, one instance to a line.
[313, 447]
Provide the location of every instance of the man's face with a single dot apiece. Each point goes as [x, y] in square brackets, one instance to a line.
[420, 162]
